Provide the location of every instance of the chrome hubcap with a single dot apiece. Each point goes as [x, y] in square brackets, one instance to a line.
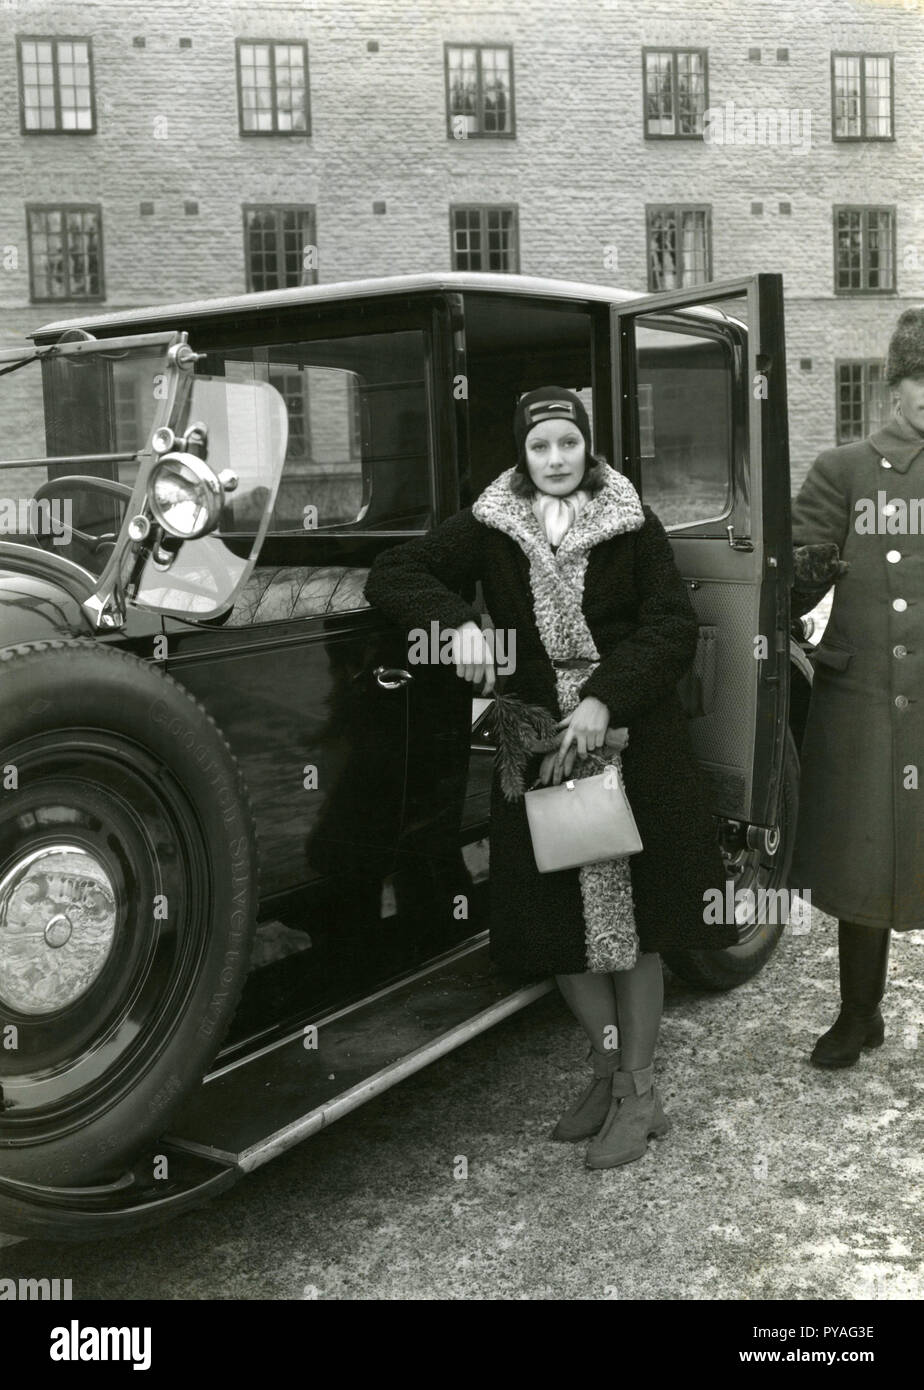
[57, 926]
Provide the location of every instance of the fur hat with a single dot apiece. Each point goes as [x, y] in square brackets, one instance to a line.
[547, 403]
[906, 350]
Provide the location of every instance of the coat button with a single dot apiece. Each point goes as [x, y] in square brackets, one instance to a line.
[901, 701]
[899, 604]
[893, 556]
[900, 651]
[885, 464]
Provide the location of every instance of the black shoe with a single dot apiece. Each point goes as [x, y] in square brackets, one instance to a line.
[863, 954]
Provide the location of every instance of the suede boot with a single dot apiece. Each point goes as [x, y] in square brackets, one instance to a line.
[635, 1114]
[863, 957]
[589, 1110]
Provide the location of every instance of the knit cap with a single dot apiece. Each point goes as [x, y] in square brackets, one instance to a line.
[548, 403]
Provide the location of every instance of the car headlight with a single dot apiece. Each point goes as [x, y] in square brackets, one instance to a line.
[184, 495]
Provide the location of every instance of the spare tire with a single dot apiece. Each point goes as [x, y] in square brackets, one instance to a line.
[127, 905]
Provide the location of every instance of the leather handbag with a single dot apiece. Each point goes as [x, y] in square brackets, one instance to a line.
[582, 821]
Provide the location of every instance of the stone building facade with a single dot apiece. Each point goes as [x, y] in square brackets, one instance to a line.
[159, 150]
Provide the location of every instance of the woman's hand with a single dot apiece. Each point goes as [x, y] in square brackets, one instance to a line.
[473, 654]
[584, 730]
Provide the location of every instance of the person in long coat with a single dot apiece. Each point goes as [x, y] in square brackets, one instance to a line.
[857, 521]
[583, 577]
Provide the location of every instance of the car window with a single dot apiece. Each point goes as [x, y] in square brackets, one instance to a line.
[358, 463]
[358, 457]
[685, 424]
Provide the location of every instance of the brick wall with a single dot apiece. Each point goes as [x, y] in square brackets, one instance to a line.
[579, 168]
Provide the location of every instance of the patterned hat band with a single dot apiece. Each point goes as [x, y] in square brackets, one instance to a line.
[550, 410]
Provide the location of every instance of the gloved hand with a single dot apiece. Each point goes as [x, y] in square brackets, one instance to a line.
[817, 564]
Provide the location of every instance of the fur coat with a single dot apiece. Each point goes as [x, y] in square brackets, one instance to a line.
[610, 593]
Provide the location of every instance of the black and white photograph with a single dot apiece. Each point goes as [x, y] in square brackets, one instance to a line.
[462, 666]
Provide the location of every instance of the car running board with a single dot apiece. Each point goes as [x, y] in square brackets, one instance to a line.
[253, 1108]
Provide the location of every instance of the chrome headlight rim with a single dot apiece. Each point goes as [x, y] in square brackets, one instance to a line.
[205, 491]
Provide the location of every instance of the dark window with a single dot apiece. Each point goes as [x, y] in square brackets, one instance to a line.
[675, 92]
[272, 88]
[864, 250]
[862, 399]
[679, 245]
[56, 85]
[485, 238]
[479, 90]
[65, 252]
[685, 418]
[279, 247]
[861, 96]
[358, 451]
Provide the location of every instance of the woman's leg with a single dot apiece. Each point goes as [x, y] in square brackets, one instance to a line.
[639, 1002]
[635, 1110]
[591, 999]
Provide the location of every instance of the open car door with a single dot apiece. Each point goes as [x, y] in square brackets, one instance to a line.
[701, 430]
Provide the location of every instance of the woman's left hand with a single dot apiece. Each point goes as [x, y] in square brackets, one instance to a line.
[585, 729]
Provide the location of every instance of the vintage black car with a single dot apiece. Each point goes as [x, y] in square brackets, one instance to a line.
[243, 848]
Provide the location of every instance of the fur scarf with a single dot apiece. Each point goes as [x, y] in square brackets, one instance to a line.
[557, 585]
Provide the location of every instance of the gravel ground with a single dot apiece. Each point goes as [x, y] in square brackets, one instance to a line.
[777, 1180]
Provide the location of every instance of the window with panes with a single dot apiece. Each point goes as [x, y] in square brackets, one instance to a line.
[679, 245]
[479, 90]
[862, 398]
[279, 246]
[272, 80]
[56, 86]
[484, 238]
[861, 96]
[65, 251]
[864, 250]
[675, 92]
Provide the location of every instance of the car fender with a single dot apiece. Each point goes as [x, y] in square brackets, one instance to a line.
[33, 609]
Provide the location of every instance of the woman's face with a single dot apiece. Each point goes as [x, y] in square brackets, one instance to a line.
[555, 455]
[910, 396]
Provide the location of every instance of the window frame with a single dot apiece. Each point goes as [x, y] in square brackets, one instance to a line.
[58, 128]
[483, 208]
[864, 363]
[67, 298]
[674, 52]
[480, 134]
[275, 133]
[678, 207]
[862, 138]
[864, 291]
[310, 208]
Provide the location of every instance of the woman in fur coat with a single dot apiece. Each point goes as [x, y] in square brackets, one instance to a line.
[582, 577]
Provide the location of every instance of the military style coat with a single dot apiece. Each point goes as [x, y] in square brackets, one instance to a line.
[860, 836]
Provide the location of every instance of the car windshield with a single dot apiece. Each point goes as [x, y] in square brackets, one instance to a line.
[82, 410]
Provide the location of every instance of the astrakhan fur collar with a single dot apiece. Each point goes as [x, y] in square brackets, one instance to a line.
[612, 510]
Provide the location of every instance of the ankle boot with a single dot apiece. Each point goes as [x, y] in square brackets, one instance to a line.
[635, 1114]
[589, 1110]
[863, 957]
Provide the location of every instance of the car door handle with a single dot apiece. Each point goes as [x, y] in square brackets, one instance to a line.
[391, 677]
